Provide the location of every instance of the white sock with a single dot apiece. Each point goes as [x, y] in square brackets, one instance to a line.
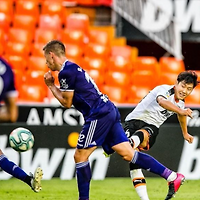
[136, 140]
[172, 177]
[141, 189]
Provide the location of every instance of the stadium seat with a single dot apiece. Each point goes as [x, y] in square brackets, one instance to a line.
[35, 63]
[97, 51]
[5, 21]
[27, 22]
[89, 63]
[6, 6]
[18, 49]
[144, 78]
[32, 93]
[137, 93]
[19, 78]
[77, 21]
[20, 35]
[171, 65]
[194, 97]
[119, 63]
[50, 22]
[17, 62]
[147, 63]
[168, 78]
[43, 36]
[27, 7]
[98, 37]
[73, 37]
[117, 79]
[37, 49]
[97, 76]
[116, 94]
[35, 77]
[73, 51]
[2, 41]
[50, 7]
[118, 41]
[88, 2]
[124, 51]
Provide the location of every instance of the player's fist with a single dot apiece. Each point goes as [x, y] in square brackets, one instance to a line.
[48, 78]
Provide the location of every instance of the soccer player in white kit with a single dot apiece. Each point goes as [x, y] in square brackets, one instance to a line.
[143, 123]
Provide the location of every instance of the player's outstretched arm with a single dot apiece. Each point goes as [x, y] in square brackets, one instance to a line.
[183, 123]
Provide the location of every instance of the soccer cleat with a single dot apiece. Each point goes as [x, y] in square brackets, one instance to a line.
[174, 186]
[36, 180]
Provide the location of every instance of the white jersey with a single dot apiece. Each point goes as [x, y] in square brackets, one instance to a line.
[149, 111]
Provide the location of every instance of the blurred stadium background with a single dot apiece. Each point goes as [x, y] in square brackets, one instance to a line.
[127, 46]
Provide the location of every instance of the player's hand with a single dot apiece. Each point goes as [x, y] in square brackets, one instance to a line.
[49, 79]
[186, 112]
[189, 138]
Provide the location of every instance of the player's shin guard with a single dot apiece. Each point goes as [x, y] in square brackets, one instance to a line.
[139, 183]
[11, 168]
[83, 172]
[148, 163]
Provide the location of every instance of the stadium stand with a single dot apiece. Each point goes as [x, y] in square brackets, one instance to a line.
[27, 25]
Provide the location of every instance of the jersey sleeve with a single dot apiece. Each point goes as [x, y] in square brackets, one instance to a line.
[67, 80]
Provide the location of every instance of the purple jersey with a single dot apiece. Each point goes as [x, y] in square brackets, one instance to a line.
[7, 87]
[87, 97]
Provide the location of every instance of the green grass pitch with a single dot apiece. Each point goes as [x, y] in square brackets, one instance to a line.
[108, 189]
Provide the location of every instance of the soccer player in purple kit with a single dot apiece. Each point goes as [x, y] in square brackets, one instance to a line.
[102, 125]
[9, 113]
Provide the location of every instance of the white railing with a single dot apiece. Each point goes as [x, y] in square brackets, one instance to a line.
[151, 19]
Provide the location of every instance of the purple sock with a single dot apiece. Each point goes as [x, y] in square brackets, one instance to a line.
[148, 163]
[84, 175]
[11, 168]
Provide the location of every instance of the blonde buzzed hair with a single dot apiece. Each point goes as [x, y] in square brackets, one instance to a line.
[56, 47]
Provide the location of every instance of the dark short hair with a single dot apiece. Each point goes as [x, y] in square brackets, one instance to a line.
[56, 47]
[188, 77]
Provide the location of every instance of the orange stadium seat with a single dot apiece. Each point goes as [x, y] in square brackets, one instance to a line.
[118, 79]
[19, 78]
[98, 37]
[50, 22]
[35, 77]
[27, 7]
[37, 49]
[116, 94]
[20, 35]
[88, 2]
[17, 62]
[5, 21]
[124, 51]
[119, 63]
[77, 21]
[171, 65]
[97, 76]
[18, 49]
[72, 37]
[97, 51]
[137, 93]
[31, 93]
[43, 36]
[27, 22]
[89, 63]
[146, 63]
[6, 6]
[168, 78]
[36, 63]
[2, 41]
[194, 97]
[144, 78]
[52, 7]
[73, 51]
